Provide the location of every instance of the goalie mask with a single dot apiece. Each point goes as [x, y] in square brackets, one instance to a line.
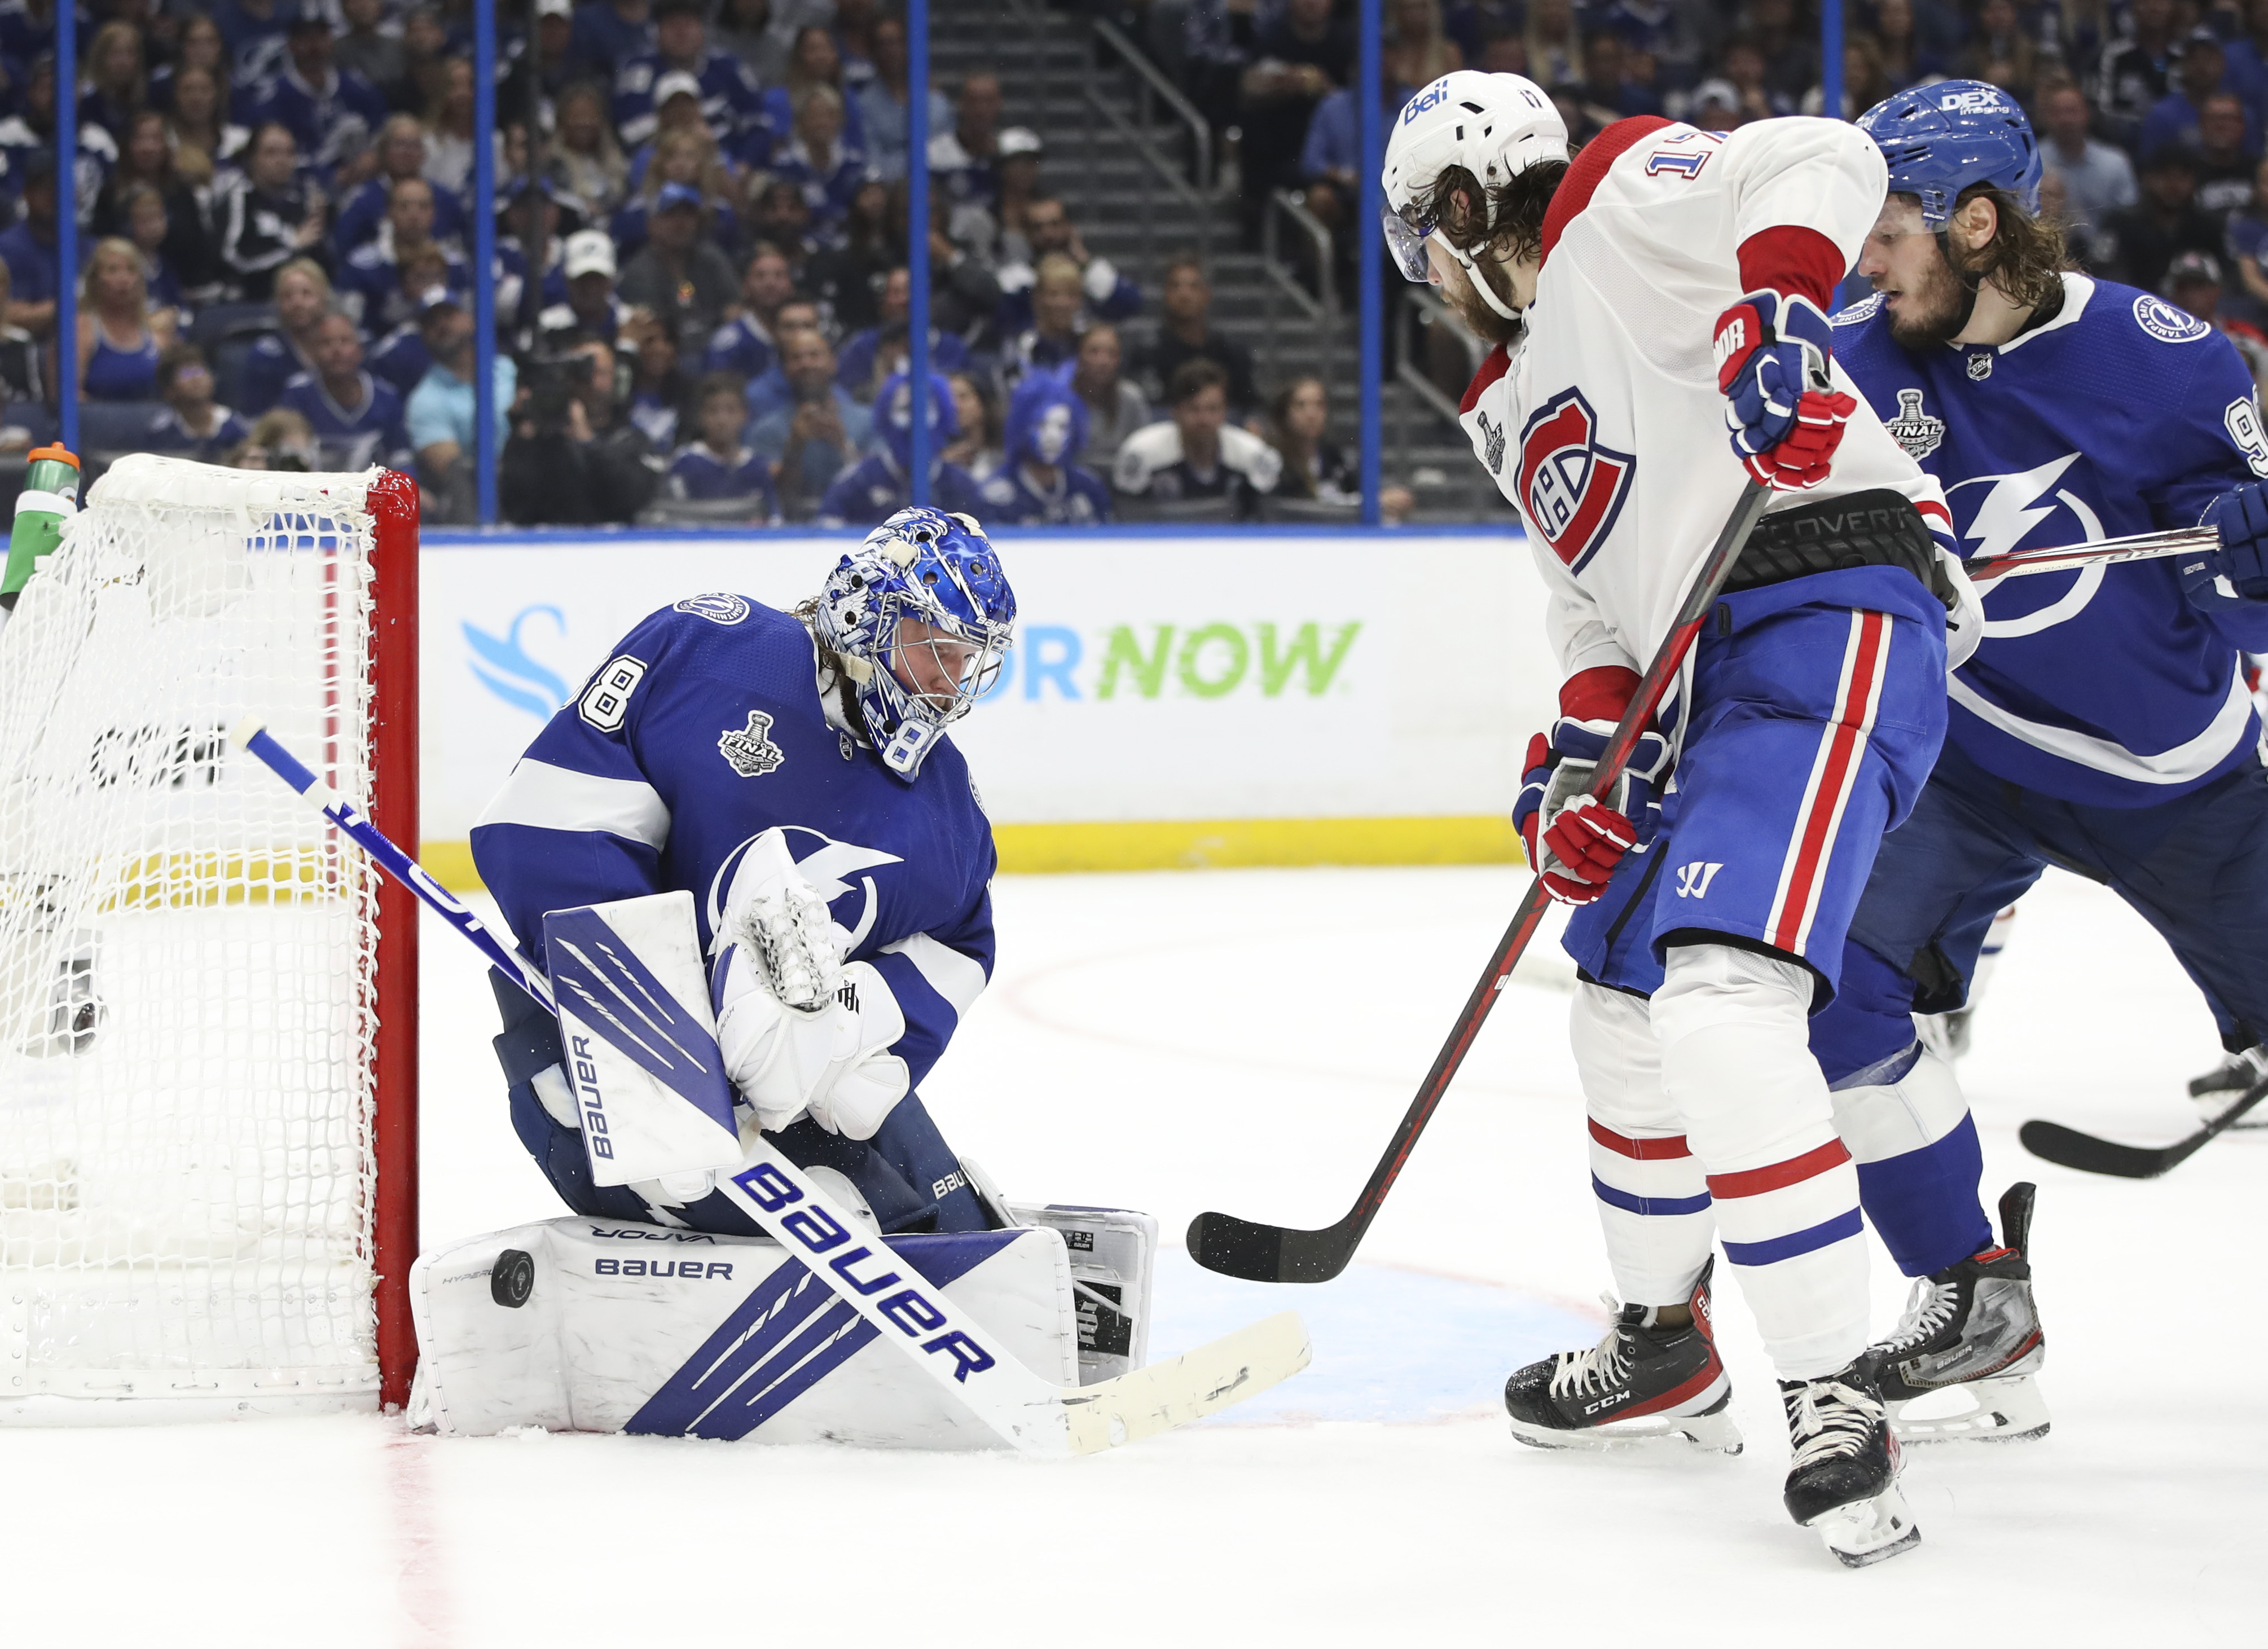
[921, 615]
[1495, 126]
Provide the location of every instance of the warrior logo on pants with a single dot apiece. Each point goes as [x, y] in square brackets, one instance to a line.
[1571, 487]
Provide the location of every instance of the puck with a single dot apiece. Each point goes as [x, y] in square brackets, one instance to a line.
[513, 1278]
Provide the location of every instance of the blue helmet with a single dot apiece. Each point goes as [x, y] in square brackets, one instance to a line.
[924, 567]
[1046, 421]
[894, 409]
[1940, 139]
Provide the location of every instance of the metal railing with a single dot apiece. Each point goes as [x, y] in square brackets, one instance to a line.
[1321, 305]
[1154, 83]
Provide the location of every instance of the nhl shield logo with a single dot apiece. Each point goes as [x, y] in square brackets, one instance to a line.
[1915, 430]
[1571, 487]
[750, 751]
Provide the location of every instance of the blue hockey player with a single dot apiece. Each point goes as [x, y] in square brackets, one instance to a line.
[722, 735]
[1039, 485]
[2104, 723]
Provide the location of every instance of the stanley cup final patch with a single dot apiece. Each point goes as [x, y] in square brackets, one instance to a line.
[750, 750]
[1913, 429]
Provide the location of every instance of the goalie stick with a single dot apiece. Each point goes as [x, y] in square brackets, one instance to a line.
[2068, 1148]
[1277, 1254]
[1023, 1409]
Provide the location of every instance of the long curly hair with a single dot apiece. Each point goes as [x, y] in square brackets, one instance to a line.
[2025, 256]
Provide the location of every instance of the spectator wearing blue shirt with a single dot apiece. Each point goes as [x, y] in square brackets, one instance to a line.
[608, 33]
[719, 464]
[878, 486]
[819, 434]
[193, 422]
[770, 391]
[1052, 307]
[441, 418]
[743, 345]
[302, 297]
[401, 154]
[357, 420]
[373, 287]
[332, 113]
[2200, 72]
[1039, 485]
[120, 334]
[254, 32]
[882, 107]
[730, 101]
[816, 62]
[658, 388]
[116, 79]
[874, 354]
[28, 248]
[1331, 161]
[818, 161]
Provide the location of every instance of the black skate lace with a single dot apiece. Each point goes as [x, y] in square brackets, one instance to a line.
[1595, 1369]
[1827, 1418]
[1928, 1309]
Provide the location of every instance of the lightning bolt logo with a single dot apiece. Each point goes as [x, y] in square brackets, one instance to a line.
[2010, 511]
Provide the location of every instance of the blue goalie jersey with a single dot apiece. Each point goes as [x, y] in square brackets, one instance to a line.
[706, 729]
[2120, 413]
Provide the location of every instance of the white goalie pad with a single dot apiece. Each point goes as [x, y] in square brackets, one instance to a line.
[640, 1040]
[597, 1325]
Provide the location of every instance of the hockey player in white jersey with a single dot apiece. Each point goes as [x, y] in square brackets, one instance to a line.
[1667, 285]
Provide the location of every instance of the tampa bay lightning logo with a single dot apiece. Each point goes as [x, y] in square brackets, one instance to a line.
[717, 607]
[831, 867]
[2166, 322]
[2030, 510]
[1571, 487]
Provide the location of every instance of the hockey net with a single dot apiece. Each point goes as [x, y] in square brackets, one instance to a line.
[207, 1001]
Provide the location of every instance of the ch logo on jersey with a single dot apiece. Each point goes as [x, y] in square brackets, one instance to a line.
[750, 751]
[1693, 879]
[1571, 487]
[1913, 429]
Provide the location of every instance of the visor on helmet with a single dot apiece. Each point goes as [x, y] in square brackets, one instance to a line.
[1405, 242]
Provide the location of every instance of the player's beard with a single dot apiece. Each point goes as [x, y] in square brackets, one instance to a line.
[1938, 313]
[1473, 310]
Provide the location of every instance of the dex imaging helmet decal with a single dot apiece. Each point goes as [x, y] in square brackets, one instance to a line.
[1571, 487]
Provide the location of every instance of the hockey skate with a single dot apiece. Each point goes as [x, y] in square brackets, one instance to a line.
[1974, 1329]
[1843, 1480]
[2219, 1089]
[1641, 1384]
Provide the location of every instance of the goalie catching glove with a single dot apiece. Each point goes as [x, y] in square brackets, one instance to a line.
[1773, 349]
[800, 1030]
[1574, 840]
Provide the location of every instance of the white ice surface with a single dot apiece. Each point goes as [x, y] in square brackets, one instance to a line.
[1245, 1040]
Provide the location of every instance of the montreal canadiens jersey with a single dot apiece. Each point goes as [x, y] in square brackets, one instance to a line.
[705, 729]
[2120, 413]
[1603, 424]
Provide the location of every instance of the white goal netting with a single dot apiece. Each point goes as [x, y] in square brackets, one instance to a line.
[186, 952]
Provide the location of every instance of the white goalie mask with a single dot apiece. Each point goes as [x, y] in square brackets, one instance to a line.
[1494, 126]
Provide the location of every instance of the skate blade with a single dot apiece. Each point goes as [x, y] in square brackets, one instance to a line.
[2009, 1410]
[1710, 1433]
[1867, 1531]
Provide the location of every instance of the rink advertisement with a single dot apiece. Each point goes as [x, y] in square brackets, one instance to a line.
[1176, 700]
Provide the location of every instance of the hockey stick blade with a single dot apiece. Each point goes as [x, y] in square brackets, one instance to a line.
[1190, 1386]
[1275, 1254]
[2068, 1148]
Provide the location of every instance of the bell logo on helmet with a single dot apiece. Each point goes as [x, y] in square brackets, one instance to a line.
[1571, 487]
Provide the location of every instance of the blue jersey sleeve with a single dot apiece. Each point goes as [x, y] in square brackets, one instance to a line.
[580, 822]
[2212, 445]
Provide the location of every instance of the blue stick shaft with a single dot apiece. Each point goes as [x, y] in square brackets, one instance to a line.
[250, 735]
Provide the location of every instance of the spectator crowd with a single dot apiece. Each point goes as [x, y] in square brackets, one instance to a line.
[700, 272]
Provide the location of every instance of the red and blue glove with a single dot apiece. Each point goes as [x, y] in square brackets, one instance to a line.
[2238, 570]
[1573, 840]
[1773, 349]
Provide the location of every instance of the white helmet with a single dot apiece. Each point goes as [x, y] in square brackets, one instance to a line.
[1494, 126]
